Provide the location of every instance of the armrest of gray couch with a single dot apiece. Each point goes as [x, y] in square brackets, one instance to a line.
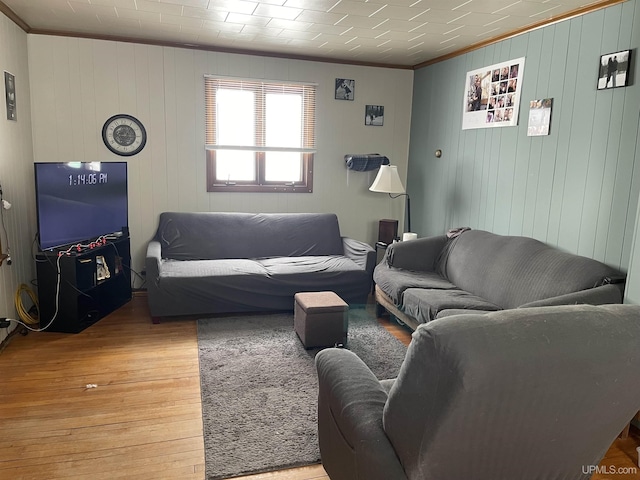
[419, 255]
[153, 259]
[350, 404]
[360, 252]
[606, 294]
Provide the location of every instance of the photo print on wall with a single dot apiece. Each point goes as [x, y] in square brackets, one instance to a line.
[539, 117]
[492, 95]
[614, 70]
[345, 89]
[374, 115]
[10, 95]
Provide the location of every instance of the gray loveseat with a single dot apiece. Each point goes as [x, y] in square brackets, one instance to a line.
[207, 263]
[421, 280]
[518, 394]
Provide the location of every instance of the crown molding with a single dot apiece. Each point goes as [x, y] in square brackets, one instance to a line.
[14, 18]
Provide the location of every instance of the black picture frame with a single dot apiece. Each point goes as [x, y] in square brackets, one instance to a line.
[10, 96]
[374, 115]
[345, 89]
[614, 70]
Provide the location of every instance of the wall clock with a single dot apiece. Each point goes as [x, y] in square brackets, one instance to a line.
[124, 135]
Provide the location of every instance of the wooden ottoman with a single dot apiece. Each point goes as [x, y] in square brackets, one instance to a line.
[321, 319]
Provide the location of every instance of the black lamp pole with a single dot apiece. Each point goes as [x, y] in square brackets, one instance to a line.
[408, 208]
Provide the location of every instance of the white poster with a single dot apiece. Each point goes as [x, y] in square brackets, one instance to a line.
[492, 95]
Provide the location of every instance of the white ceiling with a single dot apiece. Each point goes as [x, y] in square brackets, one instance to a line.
[391, 32]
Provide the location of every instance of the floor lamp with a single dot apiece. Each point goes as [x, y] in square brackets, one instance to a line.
[388, 181]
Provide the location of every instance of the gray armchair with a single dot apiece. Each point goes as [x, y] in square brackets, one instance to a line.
[535, 393]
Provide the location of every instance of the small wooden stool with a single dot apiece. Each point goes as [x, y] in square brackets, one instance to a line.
[321, 319]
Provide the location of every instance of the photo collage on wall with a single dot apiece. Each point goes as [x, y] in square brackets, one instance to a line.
[492, 95]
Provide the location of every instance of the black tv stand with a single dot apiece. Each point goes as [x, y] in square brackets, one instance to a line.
[94, 281]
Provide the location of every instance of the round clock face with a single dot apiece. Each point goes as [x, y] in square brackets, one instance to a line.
[124, 135]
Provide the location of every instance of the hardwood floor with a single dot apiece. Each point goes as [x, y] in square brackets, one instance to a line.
[143, 419]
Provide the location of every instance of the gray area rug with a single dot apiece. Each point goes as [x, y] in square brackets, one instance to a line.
[260, 389]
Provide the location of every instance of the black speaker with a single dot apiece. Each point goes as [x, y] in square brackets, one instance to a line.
[387, 230]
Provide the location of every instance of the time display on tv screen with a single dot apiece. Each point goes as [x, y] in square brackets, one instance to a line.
[80, 201]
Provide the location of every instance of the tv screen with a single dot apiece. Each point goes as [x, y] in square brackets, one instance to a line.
[80, 201]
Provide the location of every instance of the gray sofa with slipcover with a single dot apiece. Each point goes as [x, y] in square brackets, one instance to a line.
[522, 394]
[428, 278]
[208, 263]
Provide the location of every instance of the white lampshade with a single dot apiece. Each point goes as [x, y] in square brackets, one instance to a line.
[387, 180]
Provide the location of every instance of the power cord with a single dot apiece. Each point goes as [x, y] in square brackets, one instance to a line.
[25, 315]
[5, 322]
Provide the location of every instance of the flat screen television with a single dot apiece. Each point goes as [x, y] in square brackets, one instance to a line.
[80, 201]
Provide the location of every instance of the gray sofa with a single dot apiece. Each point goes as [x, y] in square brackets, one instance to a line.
[208, 263]
[428, 278]
[518, 394]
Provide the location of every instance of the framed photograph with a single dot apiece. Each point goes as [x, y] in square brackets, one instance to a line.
[492, 95]
[539, 117]
[10, 95]
[374, 115]
[614, 70]
[345, 89]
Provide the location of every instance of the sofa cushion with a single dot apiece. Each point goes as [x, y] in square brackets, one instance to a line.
[394, 281]
[215, 235]
[450, 312]
[510, 271]
[425, 304]
[250, 285]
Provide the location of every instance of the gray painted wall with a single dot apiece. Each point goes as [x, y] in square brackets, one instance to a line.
[576, 188]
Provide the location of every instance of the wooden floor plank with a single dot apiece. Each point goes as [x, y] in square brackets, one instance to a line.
[143, 420]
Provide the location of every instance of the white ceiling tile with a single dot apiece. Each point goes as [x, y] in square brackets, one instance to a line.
[363, 22]
[138, 15]
[289, 24]
[327, 29]
[357, 8]
[205, 14]
[311, 16]
[286, 13]
[298, 34]
[86, 9]
[184, 21]
[222, 26]
[188, 3]
[476, 19]
[131, 4]
[247, 19]
[159, 27]
[319, 5]
[264, 31]
[157, 7]
[234, 6]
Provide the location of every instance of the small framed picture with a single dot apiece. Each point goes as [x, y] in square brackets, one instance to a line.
[539, 117]
[614, 70]
[345, 89]
[374, 115]
[10, 95]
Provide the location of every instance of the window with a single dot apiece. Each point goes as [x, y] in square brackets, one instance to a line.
[260, 135]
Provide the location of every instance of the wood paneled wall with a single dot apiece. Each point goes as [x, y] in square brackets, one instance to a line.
[576, 188]
[16, 171]
[77, 84]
